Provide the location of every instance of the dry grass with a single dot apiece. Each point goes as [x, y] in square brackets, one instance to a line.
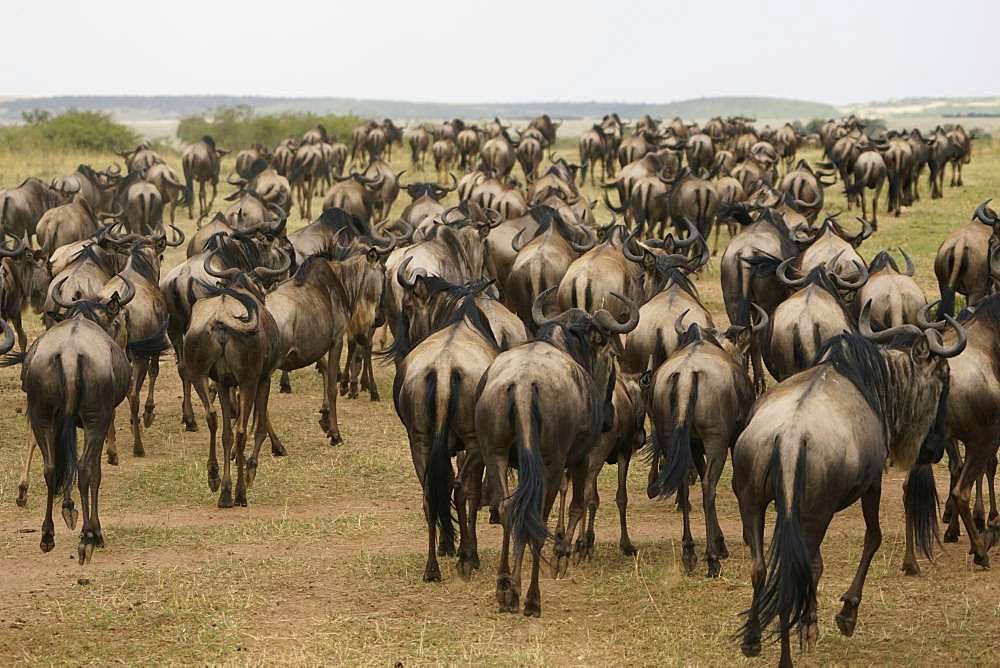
[325, 564]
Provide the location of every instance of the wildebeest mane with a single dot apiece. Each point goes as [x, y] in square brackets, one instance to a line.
[577, 341]
[861, 362]
[881, 261]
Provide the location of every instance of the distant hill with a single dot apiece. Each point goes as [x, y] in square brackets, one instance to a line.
[928, 106]
[162, 107]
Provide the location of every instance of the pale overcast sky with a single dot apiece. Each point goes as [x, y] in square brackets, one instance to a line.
[835, 51]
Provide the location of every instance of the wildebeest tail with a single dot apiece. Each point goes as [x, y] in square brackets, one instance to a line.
[860, 184]
[438, 474]
[188, 182]
[947, 288]
[674, 448]
[65, 461]
[788, 586]
[526, 522]
[920, 499]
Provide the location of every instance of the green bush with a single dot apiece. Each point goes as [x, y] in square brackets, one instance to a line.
[238, 127]
[73, 130]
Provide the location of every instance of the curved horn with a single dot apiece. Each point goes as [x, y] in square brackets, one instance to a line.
[693, 235]
[764, 319]
[516, 242]
[8, 337]
[20, 246]
[264, 273]
[629, 255]
[454, 183]
[240, 181]
[57, 294]
[179, 236]
[909, 262]
[679, 323]
[538, 308]
[585, 246]
[224, 274]
[866, 231]
[886, 335]
[847, 285]
[934, 340]
[398, 182]
[924, 321]
[608, 322]
[985, 215]
[401, 274]
[782, 274]
[129, 294]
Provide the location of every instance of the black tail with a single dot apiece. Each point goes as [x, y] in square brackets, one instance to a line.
[947, 304]
[526, 522]
[920, 499]
[188, 187]
[64, 469]
[438, 475]
[11, 359]
[675, 449]
[150, 346]
[788, 587]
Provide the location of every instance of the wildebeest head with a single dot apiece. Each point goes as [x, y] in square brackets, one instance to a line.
[109, 312]
[23, 270]
[425, 188]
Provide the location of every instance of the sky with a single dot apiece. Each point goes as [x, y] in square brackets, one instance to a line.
[837, 51]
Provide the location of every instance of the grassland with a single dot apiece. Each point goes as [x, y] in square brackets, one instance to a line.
[324, 565]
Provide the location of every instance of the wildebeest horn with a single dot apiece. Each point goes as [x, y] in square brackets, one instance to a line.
[608, 322]
[924, 321]
[934, 340]
[8, 337]
[224, 274]
[635, 257]
[764, 319]
[179, 236]
[111, 214]
[679, 323]
[585, 246]
[454, 183]
[493, 217]
[611, 207]
[399, 183]
[266, 273]
[866, 231]
[57, 294]
[240, 181]
[693, 235]
[846, 285]
[516, 242]
[886, 335]
[985, 215]
[782, 274]
[909, 262]
[538, 308]
[113, 169]
[20, 246]
[401, 274]
[129, 294]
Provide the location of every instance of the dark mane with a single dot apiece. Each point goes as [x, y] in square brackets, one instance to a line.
[881, 261]
[577, 341]
[304, 269]
[987, 310]
[229, 290]
[861, 362]
[232, 250]
[695, 333]
[140, 265]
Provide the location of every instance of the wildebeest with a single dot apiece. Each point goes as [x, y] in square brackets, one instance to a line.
[169, 185]
[468, 142]
[816, 444]
[548, 401]
[500, 153]
[308, 168]
[895, 297]
[419, 140]
[22, 207]
[699, 400]
[444, 152]
[804, 187]
[898, 156]
[355, 193]
[24, 281]
[233, 340]
[941, 150]
[868, 173]
[75, 374]
[594, 150]
[961, 263]
[201, 161]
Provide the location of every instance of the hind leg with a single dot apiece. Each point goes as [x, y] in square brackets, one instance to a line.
[688, 556]
[211, 418]
[149, 413]
[91, 535]
[753, 535]
[139, 369]
[369, 375]
[471, 481]
[847, 618]
[979, 508]
[44, 431]
[715, 542]
[577, 509]
[285, 384]
[991, 476]
[22, 487]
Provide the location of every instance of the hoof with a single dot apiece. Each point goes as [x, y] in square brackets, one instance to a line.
[628, 549]
[285, 388]
[190, 425]
[446, 549]
[138, 451]
[22, 495]
[48, 542]
[70, 515]
[213, 479]
[721, 549]
[951, 535]
[432, 573]
[148, 416]
[374, 396]
[241, 498]
[689, 558]
[846, 624]
[466, 566]
[251, 470]
[507, 598]
[714, 567]
[278, 450]
[335, 440]
[750, 648]
[494, 516]
[532, 608]
[226, 498]
[910, 568]
[343, 390]
[113, 458]
[983, 561]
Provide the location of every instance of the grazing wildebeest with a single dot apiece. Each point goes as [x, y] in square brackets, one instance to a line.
[355, 193]
[444, 152]
[201, 161]
[816, 444]
[594, 150]
[444, 345]
[75, 374]
[699, 400]
[895, 297]
[869, 172]
[804, 187]
[169, 185]
[24, 281]
[548, 401]
[233, 340]
[468, 142]
[419, 140]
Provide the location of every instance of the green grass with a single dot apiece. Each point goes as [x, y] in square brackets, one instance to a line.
[325, 564]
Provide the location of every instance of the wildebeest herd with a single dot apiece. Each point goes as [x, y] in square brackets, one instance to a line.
[525, 336]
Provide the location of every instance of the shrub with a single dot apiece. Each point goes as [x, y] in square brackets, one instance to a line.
[238, 127]
[73, 130]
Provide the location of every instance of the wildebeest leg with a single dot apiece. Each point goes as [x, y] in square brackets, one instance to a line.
[715, 542]
[560, 535]
[90, 482]
[22, 487]
[215, 191]
[847, 618]
[991, 475]
[368, 374]
[577, 508]
[22, 338]
[419, 452]
[202, 201]
[226, 493]
[470, 480]
[875, 196]
[753, 536]
[112, 440]
[955, 470]
[533, 599]
[688, 557]
[331, 371]
[979, 508]
[652, 486]
[139, 368]
[187, 410]
[506, 595]
[621, 499]
[809, 626]
[976, 456]
[285, 384]
[253, 400]
[345, 376]
[154, 373]
[585, 543]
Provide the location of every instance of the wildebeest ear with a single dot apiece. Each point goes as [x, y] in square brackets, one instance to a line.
[646, 379]
[373, 255]
[420, 288]
[113, 306]
[921, 351]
